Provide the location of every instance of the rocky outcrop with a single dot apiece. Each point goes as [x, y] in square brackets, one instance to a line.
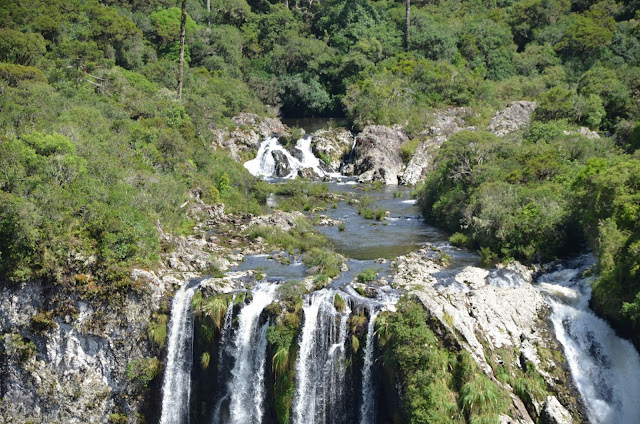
[67, 360]
[445, 123]
[514, 117]
[495, 321]
[81, 352]
[584, 131]
[554, 413]
[244, 140]
[377, 153]
[332, 146]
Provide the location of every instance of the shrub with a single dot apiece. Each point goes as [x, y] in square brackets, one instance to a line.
[459, 240]
[367, 275]
[142, 371]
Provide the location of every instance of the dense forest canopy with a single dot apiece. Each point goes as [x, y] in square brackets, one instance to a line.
[96, 152]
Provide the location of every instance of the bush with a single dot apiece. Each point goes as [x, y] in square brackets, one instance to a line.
[142, 371]
[367, 276]
[459, 240]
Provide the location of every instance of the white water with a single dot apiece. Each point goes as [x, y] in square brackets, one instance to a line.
[265, 165]
[367, 409]
[247, 384]
[605, 368]
[177, 378]
[320, 367]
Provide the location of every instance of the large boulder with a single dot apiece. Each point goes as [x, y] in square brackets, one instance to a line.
[246, 137]
[513, 118]
[377, 153]
[332, 145]
[445, 123]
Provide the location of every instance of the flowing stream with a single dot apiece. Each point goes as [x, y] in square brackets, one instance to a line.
[605, 368]
[333, 383]
[177, 377]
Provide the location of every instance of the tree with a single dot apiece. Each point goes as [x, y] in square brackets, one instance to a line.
[408, 22]
[183, 24]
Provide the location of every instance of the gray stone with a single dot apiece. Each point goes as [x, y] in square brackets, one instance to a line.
[332, 143]
[377, 153]
[513, 118]
[554, 413]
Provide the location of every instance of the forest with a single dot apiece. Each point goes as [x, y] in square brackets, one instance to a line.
[96, 152]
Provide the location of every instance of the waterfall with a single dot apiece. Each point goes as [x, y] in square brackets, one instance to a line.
[245, 391]
[225, 333]
[274, 160]
[320, 366]
[177, 377]
[367, 409]
[605, 368]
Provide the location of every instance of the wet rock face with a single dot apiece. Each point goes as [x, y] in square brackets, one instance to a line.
[283, 168]
[377, 153]
[76, 369]
[334, 144]
[513, 118]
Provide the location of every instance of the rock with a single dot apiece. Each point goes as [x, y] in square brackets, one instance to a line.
[473, 276]
[446, 123]
[584, 131]
[283, 220]
[501, 315]
[326, 221]
[308, 173]
[78, 370]
[283, 168]
[554, 413]
[422, 161]
[334, 144]
[250, 130]
[348, 169]
[511, 119]
[377, 153]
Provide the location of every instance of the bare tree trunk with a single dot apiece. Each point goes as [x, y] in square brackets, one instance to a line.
[208, 12]
[286, 3]
[406, 34]
[183, 24]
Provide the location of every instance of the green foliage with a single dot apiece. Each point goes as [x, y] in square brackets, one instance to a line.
[205, 359]
[14, 74]
[323, 261]
[459, 240]
[513, 199]
[157, 330]
[142, 371]
[20, 48]
[438, 386]
[166, 25]
[367, 276]
[17, 347]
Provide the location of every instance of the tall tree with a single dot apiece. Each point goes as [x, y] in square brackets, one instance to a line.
[408, 16]
[183, 25]
[208, 12]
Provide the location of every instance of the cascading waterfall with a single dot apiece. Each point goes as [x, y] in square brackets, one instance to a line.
[177, 379]
[605, 368]
[265, 163]
[320, 367]
[226, 333]
[245, 390]
[367, 408]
